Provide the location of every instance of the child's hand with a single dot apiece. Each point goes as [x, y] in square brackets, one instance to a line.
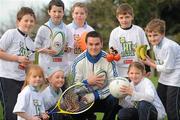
[23, 62]
[35, 118]
[51, 52]
[127, 90]
[148, 61]
[48, 51]
[45, 116]
[23, 59]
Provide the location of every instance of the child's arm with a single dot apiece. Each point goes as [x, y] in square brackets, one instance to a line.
[47, 51]
[14, 58]
[147, 94]
[149, 62]
[27, 117]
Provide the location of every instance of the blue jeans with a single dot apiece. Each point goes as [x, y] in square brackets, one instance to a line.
[144, 111]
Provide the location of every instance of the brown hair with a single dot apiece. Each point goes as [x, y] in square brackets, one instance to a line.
[94, 34]
[32, 69]
[25, 11]
[137, 65]
[81, 5]
[156, 25]
[58, 3]
[123, 9]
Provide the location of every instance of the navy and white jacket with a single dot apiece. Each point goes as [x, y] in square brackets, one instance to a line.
[84, 65]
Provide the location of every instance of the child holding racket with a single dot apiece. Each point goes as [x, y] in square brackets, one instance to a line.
[79, 28]
[142, 101]
[126, 37]
[85, 69]
[167, 55]
[15, 47]
[53, 92]
[54, 40]
[29, 105]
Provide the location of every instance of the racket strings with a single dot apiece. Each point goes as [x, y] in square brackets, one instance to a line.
[73, 100]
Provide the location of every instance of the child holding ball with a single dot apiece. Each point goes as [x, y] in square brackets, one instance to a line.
[142, 101]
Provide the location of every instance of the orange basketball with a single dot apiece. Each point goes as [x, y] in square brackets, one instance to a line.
[82, 42]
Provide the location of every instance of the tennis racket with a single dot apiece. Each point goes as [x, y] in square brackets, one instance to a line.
[72, 100]
[57, 38]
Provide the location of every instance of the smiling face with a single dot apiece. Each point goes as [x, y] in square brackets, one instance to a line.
[125, 20]
[94, 45]
[155, 31]
[26, 23]
[135, 75]
[36, 79]
[56, 14]
[57, 80]
[154, 37]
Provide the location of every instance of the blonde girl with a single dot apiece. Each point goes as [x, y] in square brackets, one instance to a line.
[142, 101]
[52, 93]
[29, 105]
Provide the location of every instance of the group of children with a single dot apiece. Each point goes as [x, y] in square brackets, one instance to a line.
[23, 89]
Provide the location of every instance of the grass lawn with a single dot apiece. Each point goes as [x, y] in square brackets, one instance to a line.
[99, 115]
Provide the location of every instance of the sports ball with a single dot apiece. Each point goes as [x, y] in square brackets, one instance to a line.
[115, 85]
[58, 41]
[104, 74]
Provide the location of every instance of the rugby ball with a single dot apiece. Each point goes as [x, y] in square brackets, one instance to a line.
[103, 73]
[114, 86]
[58, 42]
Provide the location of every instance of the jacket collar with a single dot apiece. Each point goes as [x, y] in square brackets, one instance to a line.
[93, 59]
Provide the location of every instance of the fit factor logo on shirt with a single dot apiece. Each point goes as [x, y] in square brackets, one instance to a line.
[127, 47]
[23, 51]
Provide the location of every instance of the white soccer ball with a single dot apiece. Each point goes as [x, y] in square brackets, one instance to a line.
[115, 85]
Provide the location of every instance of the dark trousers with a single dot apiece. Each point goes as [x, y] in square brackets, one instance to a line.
[9, 89]
[144, 111]
[170, 97]
[108, 106]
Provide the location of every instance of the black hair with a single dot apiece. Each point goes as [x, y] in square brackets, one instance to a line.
[93, 34]
[58, 3]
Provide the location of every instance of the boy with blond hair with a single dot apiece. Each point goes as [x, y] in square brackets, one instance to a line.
[79, 27]
[167, 55]
[126, 37]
